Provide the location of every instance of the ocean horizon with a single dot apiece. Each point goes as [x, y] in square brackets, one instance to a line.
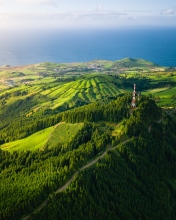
[22, 47]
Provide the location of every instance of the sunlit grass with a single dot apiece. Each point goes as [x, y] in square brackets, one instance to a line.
[33, 142]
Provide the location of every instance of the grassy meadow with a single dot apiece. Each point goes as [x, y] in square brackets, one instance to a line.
[32, 142]
[61, 133]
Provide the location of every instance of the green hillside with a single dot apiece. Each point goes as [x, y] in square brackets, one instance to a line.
[68, 135]
[36, 92]
[112, 110]
[114, 163]
[64, 133]
[85, 90]
[134, 63]
[58, 135]
[33, 93]
[29, 100]
[33, 142]
[33, 89]
[136, 180]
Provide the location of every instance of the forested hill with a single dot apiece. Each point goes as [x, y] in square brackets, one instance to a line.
[134, 180]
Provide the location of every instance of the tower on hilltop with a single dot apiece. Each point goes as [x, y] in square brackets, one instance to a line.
[135, 94]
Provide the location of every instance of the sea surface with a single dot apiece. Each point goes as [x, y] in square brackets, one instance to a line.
[19, 47]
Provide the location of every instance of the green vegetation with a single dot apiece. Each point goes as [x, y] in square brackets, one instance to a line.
[109, 111]
[33, 142]
[50, 137]
[63, 134]
[58, 87]
[56, 162]
[134, 64]
[134, 181]
[72, 125]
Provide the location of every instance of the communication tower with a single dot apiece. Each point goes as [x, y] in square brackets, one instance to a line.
[135, 95]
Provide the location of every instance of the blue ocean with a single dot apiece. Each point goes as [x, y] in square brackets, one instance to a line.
[19, 47]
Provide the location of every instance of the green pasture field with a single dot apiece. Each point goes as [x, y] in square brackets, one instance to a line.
[47, 92]
[154, 91]
[33, 142]
[63, 134]
[169, 93]
[163, 96]
[88, 89]
[165, 102]
[43, 80]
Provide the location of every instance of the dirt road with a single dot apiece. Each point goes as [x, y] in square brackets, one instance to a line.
[60, 189]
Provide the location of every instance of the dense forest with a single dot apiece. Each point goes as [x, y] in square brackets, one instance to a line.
[134, 180]
[36, 174]
[109, 110]
[28, 177]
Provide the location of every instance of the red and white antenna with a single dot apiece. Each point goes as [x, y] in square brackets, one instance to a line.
[133, 103]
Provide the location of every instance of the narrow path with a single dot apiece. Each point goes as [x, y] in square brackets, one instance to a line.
[149, 128]
[168, 113]
[171, 112]
[60, 189]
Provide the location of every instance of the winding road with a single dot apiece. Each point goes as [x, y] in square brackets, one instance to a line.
[60, 189]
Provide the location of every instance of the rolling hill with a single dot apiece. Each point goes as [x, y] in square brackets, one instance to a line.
[69, 129]
[35, 92]
[54, 136]
[134, 63]
[33, 99]
[41, 90]
[117, 165]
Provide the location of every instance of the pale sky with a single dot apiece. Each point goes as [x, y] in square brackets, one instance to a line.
[90, 13]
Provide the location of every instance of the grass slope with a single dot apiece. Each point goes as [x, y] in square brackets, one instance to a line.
[51, 137]
[87, 89]
[29, 99]
[34, 88]
[63, 133]
[47, 72]
[33, 142]
[134, 63]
